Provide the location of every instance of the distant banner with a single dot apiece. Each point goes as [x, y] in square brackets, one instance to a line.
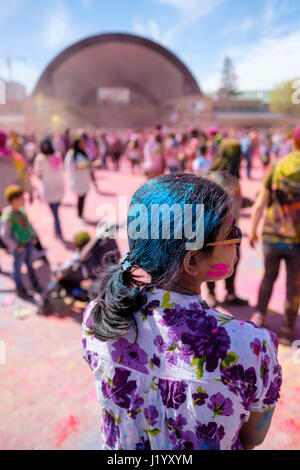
[197, 106]
[2, 92]
[113, 95]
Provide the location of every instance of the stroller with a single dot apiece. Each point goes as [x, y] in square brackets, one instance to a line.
[77, 279]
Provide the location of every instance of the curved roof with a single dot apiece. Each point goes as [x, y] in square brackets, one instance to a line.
[116, 60]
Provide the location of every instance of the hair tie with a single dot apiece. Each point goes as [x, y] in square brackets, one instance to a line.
[125, 264]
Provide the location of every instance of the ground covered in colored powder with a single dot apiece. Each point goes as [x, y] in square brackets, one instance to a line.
[48, 400]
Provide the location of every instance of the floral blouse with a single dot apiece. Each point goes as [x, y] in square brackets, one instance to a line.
[189, 381]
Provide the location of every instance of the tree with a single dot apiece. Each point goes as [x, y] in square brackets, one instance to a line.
[228, 79]
[285, 98]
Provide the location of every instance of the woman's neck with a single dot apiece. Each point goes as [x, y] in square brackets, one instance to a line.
[187, 287]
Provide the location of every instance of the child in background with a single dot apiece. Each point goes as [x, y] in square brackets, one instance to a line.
[201, 165]
[19, 237]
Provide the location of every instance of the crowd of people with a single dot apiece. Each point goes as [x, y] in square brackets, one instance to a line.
[79, 153]
[130, 329]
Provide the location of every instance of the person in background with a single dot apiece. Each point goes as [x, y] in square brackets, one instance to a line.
[171, 150]
[286, 146]
[16, 142]
[246, 147]
[48, 166]
[153, 152]
[116, 150]
[197, 139]
[66, 142]
[134, 152]
[19, 237]
[92, 147]
[13, 170]
[280, 195]
[78, 170]
[265, 149]
[30, 150]
[229, 160]
[182, 156]
[104, 150]
[201, 164]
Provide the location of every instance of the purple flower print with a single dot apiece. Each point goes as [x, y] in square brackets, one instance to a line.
[147, 310]
[256, 346]
[200, 397]
[208, 340]
[220, 405]
[185, 353]
[174, 316]
[241, 382]
[151, 415]
[160, 344]
[111, 429]
[143, 445]
[276, 369]
[155, 360]
[264, 370]
[209, 435]
[175, 427]
[171, 359]
[92, 359]
[135, 405]
[131, 356]
[237, 445]
[177, 423]
[89, 322]
[172, 393]
[273, 391]
[179, 317]
[188, 441]
[119, 389]
[274, 339]
[84, 343]
[174, 335]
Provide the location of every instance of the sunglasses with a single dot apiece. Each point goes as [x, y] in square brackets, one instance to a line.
[235, 237]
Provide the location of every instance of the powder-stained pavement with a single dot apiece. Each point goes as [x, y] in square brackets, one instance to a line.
[48, 400]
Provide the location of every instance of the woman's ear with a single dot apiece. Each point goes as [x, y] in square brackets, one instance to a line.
[191, 262]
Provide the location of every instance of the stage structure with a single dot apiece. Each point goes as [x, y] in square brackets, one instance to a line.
[112, 80]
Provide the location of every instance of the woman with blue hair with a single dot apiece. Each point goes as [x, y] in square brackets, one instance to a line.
[171, 372]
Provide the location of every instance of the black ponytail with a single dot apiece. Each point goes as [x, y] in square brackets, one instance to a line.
[119, 297]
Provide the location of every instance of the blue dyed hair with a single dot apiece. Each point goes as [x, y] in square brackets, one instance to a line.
[161, 258]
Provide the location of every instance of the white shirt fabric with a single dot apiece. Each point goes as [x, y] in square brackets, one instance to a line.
[79, 178]
[51, 171]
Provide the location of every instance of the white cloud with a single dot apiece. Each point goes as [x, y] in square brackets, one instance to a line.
[189, 12]
[262, 65]
[22, 73]
[192, 9]
[9, 8]
[149, 28]
[57, 29]
[245, 25]
[237, 26]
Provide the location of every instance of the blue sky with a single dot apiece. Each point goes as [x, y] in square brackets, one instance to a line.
[261, 36]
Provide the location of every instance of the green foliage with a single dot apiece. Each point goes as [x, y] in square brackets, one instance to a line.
[228, 79]
[281, 99]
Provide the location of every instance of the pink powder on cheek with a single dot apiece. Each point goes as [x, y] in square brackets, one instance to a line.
[218, 270]
[220, 267]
